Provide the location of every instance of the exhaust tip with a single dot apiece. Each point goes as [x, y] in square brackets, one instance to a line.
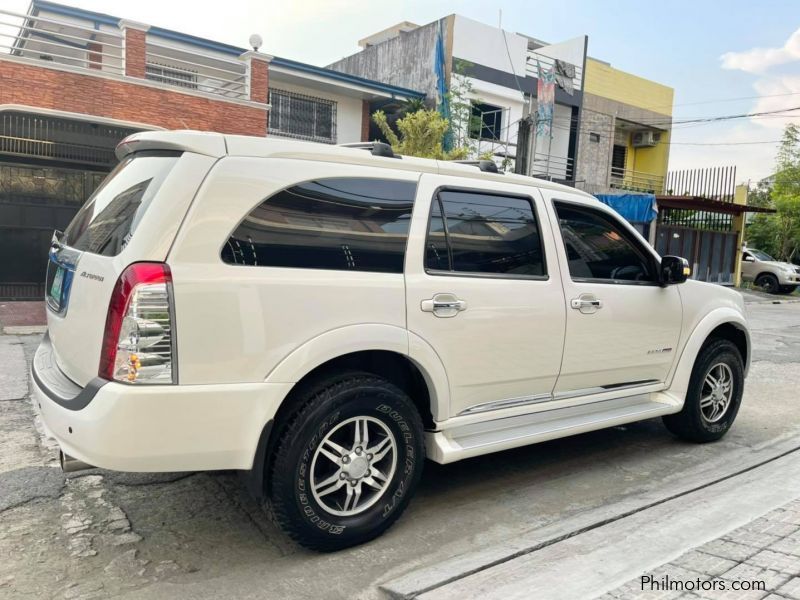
[70, 464]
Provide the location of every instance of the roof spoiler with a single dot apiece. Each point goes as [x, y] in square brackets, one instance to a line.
[198, 142]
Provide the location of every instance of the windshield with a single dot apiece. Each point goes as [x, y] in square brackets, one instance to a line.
[109, 218]
[760, 255]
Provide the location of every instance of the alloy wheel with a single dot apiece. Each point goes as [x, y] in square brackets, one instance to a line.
[353, 466]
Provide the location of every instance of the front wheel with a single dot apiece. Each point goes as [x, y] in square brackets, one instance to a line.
[788, 289]
[347, 462]
[714, 395]
[768, 283]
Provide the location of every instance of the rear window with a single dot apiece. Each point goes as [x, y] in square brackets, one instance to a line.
[108, 220]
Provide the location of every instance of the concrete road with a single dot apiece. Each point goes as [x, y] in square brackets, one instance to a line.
[198, 535]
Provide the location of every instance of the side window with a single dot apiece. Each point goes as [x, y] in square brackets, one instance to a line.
[599, 248]
[348, 224]
[472, 232]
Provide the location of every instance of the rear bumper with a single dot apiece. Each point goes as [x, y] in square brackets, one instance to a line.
[157, 428]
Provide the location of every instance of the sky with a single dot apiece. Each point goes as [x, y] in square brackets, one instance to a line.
[722, 57]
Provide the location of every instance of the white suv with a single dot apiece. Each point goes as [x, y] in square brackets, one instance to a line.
[323, 318]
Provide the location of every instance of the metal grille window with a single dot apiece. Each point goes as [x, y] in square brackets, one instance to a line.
[171, 75]
[302, 117]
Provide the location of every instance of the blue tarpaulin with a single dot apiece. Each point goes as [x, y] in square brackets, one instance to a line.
[634, 208]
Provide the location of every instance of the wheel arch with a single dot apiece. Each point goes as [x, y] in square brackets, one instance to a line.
[379, 349]
[723, 323]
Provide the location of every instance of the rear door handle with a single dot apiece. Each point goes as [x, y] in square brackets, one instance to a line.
[443, 305]
[586, 303]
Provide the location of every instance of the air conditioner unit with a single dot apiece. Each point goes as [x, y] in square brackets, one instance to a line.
[645, 139]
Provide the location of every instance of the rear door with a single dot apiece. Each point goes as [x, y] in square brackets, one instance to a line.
[483, 292]
[117, 226]
[622, 326]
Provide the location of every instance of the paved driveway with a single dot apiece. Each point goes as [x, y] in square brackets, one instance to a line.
[199, 535]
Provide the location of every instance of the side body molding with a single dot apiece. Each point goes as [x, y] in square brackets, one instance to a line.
[358, 338]
[679, 383]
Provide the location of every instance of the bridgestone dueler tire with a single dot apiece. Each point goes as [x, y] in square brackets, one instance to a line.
[689, 424]
[327, 404]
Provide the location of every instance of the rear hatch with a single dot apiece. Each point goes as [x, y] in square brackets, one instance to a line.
[117, 226]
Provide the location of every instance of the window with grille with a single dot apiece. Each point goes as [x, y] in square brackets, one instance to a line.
[171, 75]
[302, 117]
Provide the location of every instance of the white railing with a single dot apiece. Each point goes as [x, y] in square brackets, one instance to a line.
[61, 42]
[193, 70]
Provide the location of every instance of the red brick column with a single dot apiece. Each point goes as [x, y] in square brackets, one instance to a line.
[365, 120]
[257, 75]
[135, 47]
[93, 51]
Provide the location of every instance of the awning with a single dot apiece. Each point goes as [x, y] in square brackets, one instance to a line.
[708, 205]
[634, 208]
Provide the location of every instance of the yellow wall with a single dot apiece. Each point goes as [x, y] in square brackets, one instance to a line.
[651, 160]
[607, 82]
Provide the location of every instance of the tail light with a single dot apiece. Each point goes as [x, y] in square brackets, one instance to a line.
[139, 339]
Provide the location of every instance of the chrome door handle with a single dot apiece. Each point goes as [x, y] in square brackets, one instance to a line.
[443, 305]
[586, 303]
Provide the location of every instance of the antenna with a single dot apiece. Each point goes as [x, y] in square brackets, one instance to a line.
[255, 42]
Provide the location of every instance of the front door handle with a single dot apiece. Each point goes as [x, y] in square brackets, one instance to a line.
[586, 303]
[443, 305]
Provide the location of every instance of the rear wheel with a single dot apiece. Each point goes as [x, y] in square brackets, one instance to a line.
[347, 463]
[714, 395]
[768, 283]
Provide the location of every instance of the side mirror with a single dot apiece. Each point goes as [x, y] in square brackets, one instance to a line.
[674, 269]
[749, 259]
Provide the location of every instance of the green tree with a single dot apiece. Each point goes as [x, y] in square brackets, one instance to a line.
[420, 134]
[779, 234]
[786, 194]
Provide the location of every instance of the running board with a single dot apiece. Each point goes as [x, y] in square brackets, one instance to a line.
[475, 439]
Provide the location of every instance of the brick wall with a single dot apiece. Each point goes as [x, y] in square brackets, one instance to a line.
[135, 52]
[43, 87]
[259, 80]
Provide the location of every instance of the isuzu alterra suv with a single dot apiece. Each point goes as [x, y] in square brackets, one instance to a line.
[325, 318]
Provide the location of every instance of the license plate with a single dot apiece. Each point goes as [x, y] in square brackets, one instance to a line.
[55, 288]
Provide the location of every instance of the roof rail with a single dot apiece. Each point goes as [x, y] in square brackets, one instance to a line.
[375, 148]
[487, 166]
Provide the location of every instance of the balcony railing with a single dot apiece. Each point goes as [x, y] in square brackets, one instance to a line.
[636, 181]
[534, 59]
[553, 167]
[81, 46]
[196, 71]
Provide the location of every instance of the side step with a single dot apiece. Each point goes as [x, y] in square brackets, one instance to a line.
[475, 439]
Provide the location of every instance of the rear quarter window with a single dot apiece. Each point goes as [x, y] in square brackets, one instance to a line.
[347, 224]
[108, 220]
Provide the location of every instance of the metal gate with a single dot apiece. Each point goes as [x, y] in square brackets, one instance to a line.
[34, 201]
[49, 166]
[712, 254]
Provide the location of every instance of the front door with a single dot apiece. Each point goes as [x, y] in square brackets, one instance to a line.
[622, 326]
[483, 291]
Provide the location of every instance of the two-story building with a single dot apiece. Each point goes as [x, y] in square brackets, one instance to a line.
[73, 83]
[494, 69]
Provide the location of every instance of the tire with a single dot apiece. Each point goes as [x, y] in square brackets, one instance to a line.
[325, 520]
[787, 289]
[768, 283]
[698, 423]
